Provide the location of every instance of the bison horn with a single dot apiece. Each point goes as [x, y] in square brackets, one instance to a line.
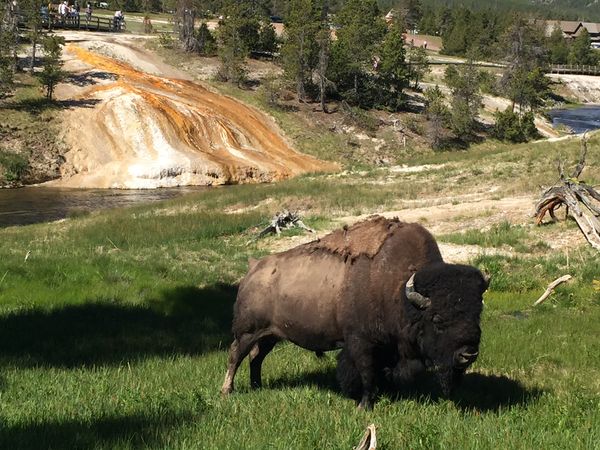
[415, 298]
[487, 278]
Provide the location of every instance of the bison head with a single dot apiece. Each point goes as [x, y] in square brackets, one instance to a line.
[447, 299]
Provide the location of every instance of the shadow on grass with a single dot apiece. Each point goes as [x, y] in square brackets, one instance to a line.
[38, 105]
[477, 392]
[135, 431]
[185, 320]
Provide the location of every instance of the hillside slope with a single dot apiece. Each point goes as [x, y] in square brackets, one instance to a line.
[588, 10]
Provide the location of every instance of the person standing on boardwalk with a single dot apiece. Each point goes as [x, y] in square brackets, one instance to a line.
[118, 18]
[88, 14]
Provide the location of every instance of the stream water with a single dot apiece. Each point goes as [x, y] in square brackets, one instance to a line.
[579, 120]
[41, 204]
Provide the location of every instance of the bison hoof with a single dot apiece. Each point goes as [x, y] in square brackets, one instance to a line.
[366, 405]
[226, 390]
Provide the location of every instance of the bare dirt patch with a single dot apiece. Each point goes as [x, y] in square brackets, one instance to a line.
[479, 214]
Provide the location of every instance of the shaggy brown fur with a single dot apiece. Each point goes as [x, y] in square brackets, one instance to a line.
[363, 238]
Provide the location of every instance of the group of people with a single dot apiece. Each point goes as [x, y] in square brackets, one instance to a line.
[67, 13]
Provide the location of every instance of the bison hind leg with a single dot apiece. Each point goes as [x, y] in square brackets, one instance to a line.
[239, 349]
[257, 356]
[348, 376]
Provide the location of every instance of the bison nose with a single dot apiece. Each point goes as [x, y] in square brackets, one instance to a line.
[466, 356]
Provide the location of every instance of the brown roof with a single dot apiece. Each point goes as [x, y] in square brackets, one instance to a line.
[593, 28]
[568, 27]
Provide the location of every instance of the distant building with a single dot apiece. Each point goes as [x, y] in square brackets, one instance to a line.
[568, 27]
[592, 28]
[571, 29]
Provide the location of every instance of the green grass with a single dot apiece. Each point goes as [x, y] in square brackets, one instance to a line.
[113, 334]
[114, 330]
[499, 235]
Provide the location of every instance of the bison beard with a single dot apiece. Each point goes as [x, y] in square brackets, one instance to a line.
[391, 373]
[379, 290]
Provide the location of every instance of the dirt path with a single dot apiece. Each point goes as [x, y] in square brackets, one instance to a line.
[471, 212]
[138, 123]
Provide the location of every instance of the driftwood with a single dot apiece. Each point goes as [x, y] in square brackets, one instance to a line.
[582, 201]
[551, 288]
[369, 439]
[284, 220]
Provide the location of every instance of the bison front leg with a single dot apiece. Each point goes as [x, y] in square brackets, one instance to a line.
[237, 352]
[361, 353]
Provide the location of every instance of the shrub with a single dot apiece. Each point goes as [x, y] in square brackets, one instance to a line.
[165, 40]
[513, 127]
[14, 166]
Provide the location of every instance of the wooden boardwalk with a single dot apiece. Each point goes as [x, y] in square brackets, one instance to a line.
[94, 23]
[575, 69]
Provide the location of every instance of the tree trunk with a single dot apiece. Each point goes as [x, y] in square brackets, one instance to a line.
[34, 39]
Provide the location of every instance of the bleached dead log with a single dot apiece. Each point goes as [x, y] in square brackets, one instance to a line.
[551, 288]
[369, 439]
[581, 200]
[284, 220]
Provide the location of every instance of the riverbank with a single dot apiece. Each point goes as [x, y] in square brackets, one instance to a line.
[30, 147]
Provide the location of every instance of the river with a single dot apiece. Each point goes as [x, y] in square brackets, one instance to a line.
[579, 120]
[42, 204]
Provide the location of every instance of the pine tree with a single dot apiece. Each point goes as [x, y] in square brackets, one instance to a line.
[457, 37]
[361, 29]
[412, 11]
[324, 44]
[392, 67]
[581, 52]
[299, 50]
[419, 64]
[6, 63]
[466, 100]
[52, 71]
[233, 49]
[557, 46]
[437, 114]
[33, 19]
[207, 44]
[523, 81]
[267, 39]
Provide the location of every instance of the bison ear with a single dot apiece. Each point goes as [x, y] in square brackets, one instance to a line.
[419, 300]
[251, 263]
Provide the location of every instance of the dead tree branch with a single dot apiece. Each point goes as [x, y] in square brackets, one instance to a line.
[551, 288]
[369, 439]
[284, 220]
[581, 200]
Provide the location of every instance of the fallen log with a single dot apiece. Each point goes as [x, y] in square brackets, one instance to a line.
[551, 288]
[581, 200]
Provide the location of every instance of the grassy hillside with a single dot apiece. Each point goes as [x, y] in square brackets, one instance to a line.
[114, 329]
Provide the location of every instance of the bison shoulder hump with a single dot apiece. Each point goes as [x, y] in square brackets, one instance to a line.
[361, 239]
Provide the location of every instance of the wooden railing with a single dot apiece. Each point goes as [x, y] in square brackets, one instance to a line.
[93, 23]
[574, 69]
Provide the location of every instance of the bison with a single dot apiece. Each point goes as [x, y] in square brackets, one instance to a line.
[379, 289]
